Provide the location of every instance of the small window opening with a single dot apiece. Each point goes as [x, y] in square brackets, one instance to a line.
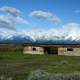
[34, 49]
[69, 49]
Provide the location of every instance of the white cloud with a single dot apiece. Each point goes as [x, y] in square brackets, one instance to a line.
[77, 11]
[11, 18]
[70, 31]
[45, 15]
[63, 33]
[21, 20]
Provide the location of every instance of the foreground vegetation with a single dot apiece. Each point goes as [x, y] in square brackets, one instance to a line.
[19, 65]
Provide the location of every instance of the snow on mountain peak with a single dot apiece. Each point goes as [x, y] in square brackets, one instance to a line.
[67, 32]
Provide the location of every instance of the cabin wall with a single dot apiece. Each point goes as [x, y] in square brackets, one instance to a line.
[64, 51]
[58, 51]
[33, 50]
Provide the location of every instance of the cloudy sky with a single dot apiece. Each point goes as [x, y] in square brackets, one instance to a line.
[50, 17]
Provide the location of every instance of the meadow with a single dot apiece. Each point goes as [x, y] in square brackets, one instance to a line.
[19, 65]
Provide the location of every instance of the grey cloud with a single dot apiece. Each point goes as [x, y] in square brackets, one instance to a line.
[7, 22]
[10, 10]
[10, 21]
[7, 25]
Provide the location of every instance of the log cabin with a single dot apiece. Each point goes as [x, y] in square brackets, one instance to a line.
[70, 50]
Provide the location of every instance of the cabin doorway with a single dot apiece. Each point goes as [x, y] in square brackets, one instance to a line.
[51, 50]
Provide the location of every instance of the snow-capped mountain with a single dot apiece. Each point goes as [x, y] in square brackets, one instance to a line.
[65, 35]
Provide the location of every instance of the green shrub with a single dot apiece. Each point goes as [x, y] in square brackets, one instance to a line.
[42, 75]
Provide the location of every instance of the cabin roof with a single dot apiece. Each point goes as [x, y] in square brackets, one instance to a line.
[53, 45]
[43, 45]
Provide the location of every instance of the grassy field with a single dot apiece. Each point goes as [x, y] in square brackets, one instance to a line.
[20, 65]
